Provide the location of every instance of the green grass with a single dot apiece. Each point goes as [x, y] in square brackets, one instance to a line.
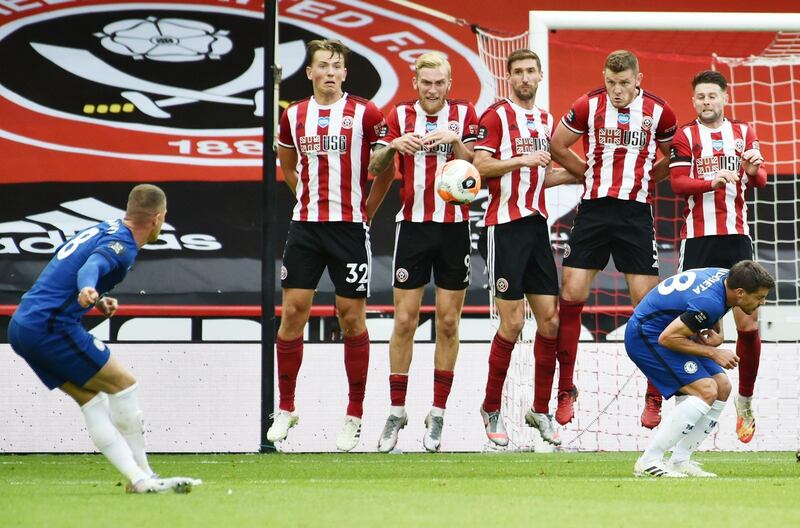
[497, 490]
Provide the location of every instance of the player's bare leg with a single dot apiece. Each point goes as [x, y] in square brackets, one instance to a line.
[113, 419]
[406, 320]
[512, 319]
[748, 348]
[575, 285]
[448, 316]
[295, 310]
[639, 286]
[545, 311]
[352, 315]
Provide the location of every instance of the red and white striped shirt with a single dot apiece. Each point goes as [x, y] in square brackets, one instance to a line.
[418, 196]
[701, 152]
[508, 131]
[333, 143]
[620, 144]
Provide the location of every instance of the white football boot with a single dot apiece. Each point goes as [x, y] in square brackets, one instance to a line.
[391, 430]
[159, 485]
[350, 434]
[690, 468]
[654, 468]
[544, 423]
[283, 421]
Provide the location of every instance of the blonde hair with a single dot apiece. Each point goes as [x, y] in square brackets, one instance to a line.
[144, 201]
[432, 59]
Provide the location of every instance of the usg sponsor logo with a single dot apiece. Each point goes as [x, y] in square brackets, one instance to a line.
[43, 233]
[162, 82]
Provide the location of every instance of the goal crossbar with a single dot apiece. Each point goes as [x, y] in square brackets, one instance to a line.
[542, 22]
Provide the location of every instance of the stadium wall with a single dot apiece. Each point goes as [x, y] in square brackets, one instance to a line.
[206, 398]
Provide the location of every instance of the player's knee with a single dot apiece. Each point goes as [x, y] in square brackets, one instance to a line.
[292, 314]
[707, 390]
[126, 380]
[548, 325]
[723, 388]
[512, 327]
[352, 324]
[293, 321]
[747, 325]
[405, 323]
[574, 289]
[447, 326]
[114, 378]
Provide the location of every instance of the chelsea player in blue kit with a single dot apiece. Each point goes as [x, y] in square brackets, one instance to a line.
[46, 332]
[673, 337]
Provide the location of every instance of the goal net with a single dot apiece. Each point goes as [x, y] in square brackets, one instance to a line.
[493, 48]
[764, 90]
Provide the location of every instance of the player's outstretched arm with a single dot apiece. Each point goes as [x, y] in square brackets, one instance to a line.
[490, 167]
[95, 267]
[661, 167]
[555, 177]
[676, 336]
[560, 144]
[682, 183]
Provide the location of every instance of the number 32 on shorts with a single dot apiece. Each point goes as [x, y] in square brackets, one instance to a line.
[357, 272]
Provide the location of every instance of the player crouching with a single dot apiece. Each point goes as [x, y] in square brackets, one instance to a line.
[680, 355]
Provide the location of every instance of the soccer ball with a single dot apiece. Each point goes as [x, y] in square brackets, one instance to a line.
[458, 182]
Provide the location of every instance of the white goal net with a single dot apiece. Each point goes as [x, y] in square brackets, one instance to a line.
[765, 91]
[493, 49]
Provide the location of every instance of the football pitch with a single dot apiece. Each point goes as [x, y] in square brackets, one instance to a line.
[488, 489]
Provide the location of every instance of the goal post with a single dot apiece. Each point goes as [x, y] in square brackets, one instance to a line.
[765, 91]
[542, 22]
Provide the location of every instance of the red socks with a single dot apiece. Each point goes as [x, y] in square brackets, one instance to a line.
[652, 390]
[499, 359]
[442, 381]
[290, 356]
[748, 348]
[544, 352]
[569, 333]
[398, 385]
[356, 364]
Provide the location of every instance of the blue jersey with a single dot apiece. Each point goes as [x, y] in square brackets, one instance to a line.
[53, 299]
[698, 293]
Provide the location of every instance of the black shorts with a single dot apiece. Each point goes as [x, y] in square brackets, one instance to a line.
[620, 228]
[520, 259]
[715, 251]
[422, 246]
[342, 247]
